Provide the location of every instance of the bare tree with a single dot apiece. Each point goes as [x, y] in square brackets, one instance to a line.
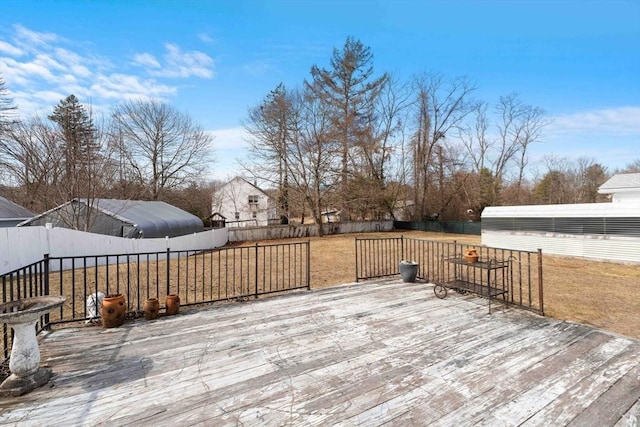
[632, 167]
[268, 124]
[517, 126]
[380, 143]
[291, 137]
[30, 154]
[440, 109]
[163, 147]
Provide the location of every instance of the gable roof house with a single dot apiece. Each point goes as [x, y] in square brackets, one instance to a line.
[623, 188]
[243, 204]
[604, 231]
[121, 218]
[11, 214]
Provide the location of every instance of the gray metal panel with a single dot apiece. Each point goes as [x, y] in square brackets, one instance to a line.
[578, 226]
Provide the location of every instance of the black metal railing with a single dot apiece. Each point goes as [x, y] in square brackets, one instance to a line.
[515, 276]
[197, 276]
[26, 282]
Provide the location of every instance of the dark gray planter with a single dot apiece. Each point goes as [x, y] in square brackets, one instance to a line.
[409, 271]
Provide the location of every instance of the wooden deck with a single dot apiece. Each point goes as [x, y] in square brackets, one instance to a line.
[366, 354]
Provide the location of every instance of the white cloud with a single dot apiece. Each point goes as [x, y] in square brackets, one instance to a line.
[609, 136]
[123, 86]
[41, 68]
[49, 96]
[146, 60]
[612, 121]
[10, 49]
[204, 37]
[177, 63]
[34, 39]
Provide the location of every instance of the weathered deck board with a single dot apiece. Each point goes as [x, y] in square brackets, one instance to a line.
[364, 354]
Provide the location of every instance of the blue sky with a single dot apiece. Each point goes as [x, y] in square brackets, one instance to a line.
[578, 60]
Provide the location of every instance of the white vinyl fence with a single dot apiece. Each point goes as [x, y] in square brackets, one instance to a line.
[244, 234]
[21, 246]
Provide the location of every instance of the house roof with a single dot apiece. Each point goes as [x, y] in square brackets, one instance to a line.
[239, 178]
[152, 218]
[10, 210]
[621, 182]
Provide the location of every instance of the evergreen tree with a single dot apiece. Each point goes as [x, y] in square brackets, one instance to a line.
[78, 142]
[7, 108]
[349, 90]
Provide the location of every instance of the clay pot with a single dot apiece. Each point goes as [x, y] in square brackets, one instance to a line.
[173, 304]
[471, 255]
[113, 311]
[151, 307]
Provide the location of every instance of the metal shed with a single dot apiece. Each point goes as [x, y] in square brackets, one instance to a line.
[607, 231]
[122, 218]
[11, 214]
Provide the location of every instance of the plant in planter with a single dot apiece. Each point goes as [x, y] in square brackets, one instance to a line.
[408, 270]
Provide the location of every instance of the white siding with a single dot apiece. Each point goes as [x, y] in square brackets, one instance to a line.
[613, 247]
[233, 197]
[609, 249]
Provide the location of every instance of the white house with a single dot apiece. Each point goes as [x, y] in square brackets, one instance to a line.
[623, 188]
[243, 204]
[606, 231]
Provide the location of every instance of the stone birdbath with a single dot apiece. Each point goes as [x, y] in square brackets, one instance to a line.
[24, 364]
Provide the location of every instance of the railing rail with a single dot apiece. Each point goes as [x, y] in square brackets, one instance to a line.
[380, 257]
[197, 276]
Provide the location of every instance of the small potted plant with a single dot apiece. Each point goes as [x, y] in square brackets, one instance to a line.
[408, 270]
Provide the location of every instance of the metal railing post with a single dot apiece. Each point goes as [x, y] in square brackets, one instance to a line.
[540, 292]
[308, 265]
[46, 288]
[168, 269]
[256, 271]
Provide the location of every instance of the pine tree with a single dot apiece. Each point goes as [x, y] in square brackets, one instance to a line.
[79, 144]
[349, 90]
[7, 108]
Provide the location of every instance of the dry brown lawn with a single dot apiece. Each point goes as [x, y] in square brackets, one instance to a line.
[602, 294]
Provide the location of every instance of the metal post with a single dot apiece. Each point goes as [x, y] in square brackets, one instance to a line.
[308, 265]
[46, 289]
[540, 293]
[256, 271]
[356, 252]
[168, 271]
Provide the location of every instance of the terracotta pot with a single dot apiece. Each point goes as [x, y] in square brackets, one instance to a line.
[113, 311]
[151, 307]
[173, 304]
[471, 255]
